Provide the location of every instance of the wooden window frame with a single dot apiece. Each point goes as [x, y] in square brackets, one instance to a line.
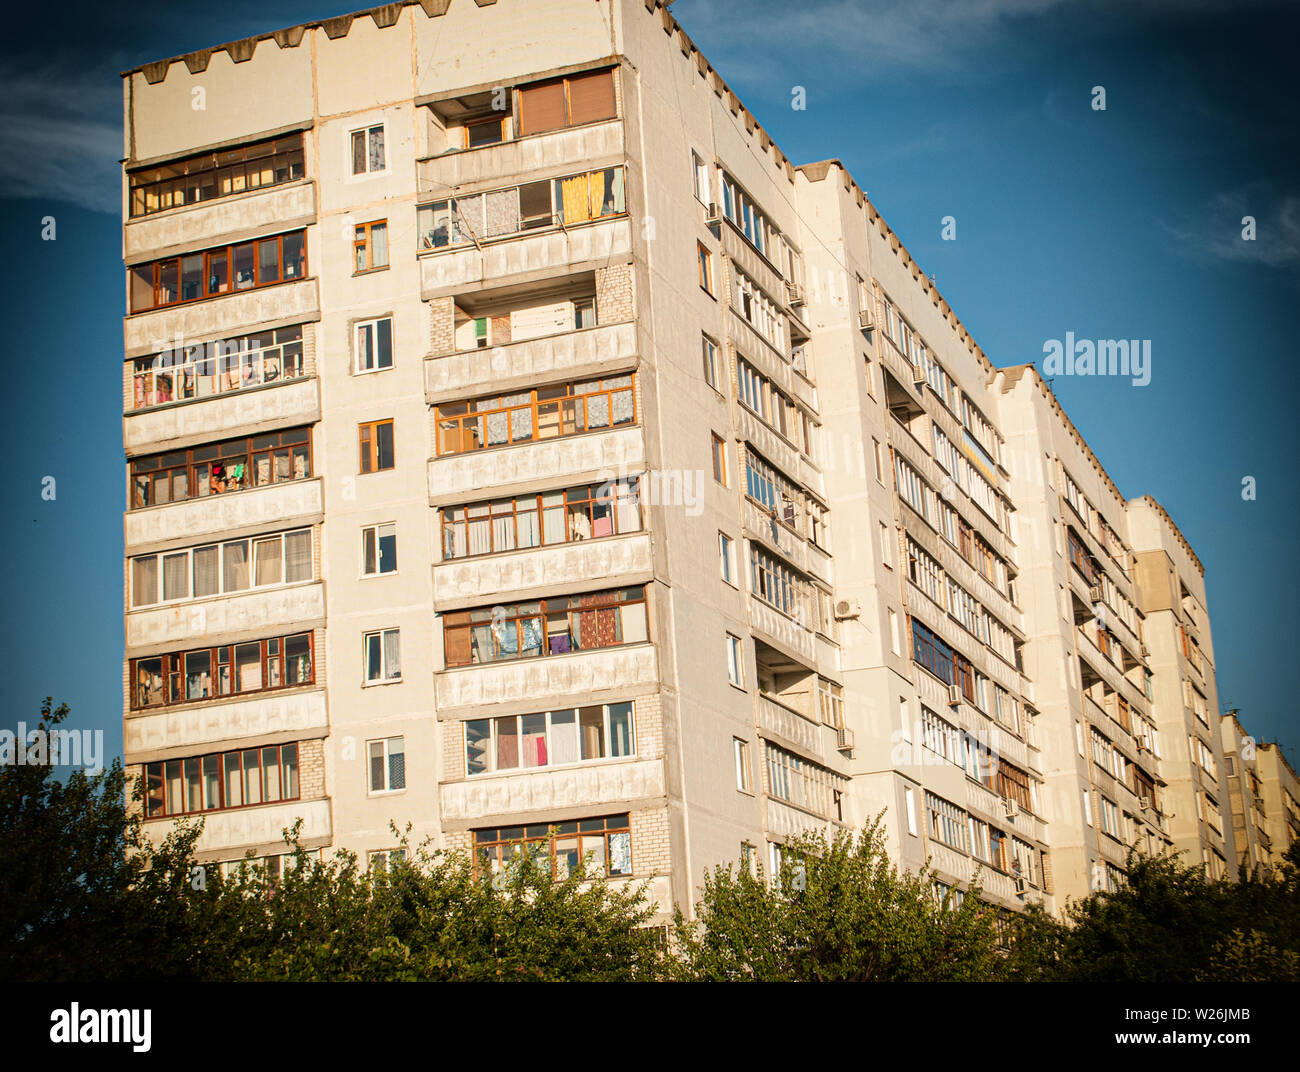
[489, 842]
[242, 451]
[280, 360]
[226, 252]
[704, 257]
[460, 422]
[185, 176]
[587, 499]
[460, 626]
[159, 768]
[369, 449]
[363, 247]
[172, 671]
[566, 83]
[718, 446]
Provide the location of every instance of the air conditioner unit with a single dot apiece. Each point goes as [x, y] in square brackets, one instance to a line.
[1146, 652]
[1142, 746]
[847, 608]
[954, 695]
[844, 739]
[866, 322]
[1094, 594]
[918, 375]
[715, 213]
[1021, 886]
[794, 293]
[1011, 808]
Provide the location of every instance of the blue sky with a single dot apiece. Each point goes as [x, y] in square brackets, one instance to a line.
[1117, 224]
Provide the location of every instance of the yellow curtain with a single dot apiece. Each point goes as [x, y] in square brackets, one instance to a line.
[597, 193]
[576, 205]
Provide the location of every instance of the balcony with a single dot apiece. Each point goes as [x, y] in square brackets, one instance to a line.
[233, 617]
[590, 456]
[595, 785]
[230, 219]
[781, 632]
[213, 724]
[529, 255]
[575, 567]
[762, 525]
[788, 822]
[243, 828]
[768, 443]
[555, 150]
[230, 514]
[573, 355]
[622, 672]
[791, 729]
[225, 316]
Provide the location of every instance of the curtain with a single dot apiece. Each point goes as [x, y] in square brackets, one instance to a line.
[528, 529]
[235, 566]
[268, 561]
[176, 569]
[502, 212]
[598, 411]
[392, 653]
[596, 183]
[575, 199]
[480, 536]
[591, 723]
[564, 736]
[297, 556]
[503, 533]
[553, 517]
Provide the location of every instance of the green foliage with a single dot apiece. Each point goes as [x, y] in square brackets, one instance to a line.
[84, 895]
[846, 914]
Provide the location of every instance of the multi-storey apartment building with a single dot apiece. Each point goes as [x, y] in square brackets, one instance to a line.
[488, 415]
[1103, 748]
[1251, 840]
[1185, 700]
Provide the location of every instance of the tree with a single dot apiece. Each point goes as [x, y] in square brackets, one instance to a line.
[839, 910]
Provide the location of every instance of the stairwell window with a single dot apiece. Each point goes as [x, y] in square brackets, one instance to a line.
[378, 550]
[370, 246]
[376, 445]
[368, 156]
[735, 661]
[387, 766]
[381, 651]
[705, 259]
[374, 345]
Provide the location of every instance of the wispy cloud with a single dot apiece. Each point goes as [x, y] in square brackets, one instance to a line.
[878, 39]
[61, 133]
[1216, 232]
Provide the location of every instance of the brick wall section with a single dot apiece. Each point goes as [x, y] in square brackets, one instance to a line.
[461, 841]
[453, 751]
[442, 325]
[311, 769]
[651, 852]
[614, 300]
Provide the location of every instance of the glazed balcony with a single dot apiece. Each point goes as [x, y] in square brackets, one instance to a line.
[230, 219]
[573, 355]
[293, 502]
[625, 670]
[233, 617]
[301, 712]
[607, 562]
[547, 153]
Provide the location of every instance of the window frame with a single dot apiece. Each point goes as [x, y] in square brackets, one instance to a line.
[363, 242]
[385, 677]
[164, 780]
[368, 131]
[386, 757]
[370, 451]
[377, 529]
[226, 256]
[358, 369]
[173, 672]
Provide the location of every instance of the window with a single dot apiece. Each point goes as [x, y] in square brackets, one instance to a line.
[705, 259]
[909, 799]
[209, 673]
[719, 460]
[376, 442]
[727, 558]
[895, 644]
[587, 97]
[741, 751]
[221, 780]
[773, 407]
[207, 274]
[700, 177]
[586, 512]
[386, 860]
[550, 739]
[947, 822]
[878, 453]
[600, 846]
[378, 550]
[830, 703]
[203, 369]
[222, 568]
[370, 246]
[735, 661]
[777, 585]
[513, 210]
[540, 413]
[368, 151]
[762, 314]
[1109, 818]
[235, 465]
[381, 651]
[886, 546]
[932, 653]
[546, 627]
[749, 220]
[374, 345]
[797, 781]
[212, 175]
[387, 768]
[711, 363]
